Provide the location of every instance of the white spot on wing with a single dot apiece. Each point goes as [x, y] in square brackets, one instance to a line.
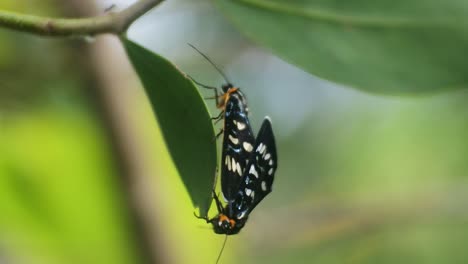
[234, 139]
[228, 162]
[252, 194]
[270, 172]
[264, 187]
[247, 146]
[239, 169]
[259, 148]
[270, 163]
[267, 156]
[233, 165]
[241, 126]
[248, 191]
[241, 215]
[253, 171]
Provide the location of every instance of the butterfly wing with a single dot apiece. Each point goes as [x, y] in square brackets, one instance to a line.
[258, 175]
[237, 145]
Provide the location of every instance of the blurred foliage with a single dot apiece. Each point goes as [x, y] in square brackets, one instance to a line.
[362, 179]
[21, 55]
[393, 47]
[60, 199]
[372, 185]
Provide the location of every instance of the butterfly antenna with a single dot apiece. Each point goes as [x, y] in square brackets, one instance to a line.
[211, 62]
[222, 249]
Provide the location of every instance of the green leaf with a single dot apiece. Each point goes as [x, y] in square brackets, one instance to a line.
[392, 46]
[183, 119]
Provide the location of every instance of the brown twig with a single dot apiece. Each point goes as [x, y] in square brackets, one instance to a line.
[112, 22]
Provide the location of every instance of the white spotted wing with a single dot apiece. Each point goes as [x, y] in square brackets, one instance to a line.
[238, 144]
[259, 174]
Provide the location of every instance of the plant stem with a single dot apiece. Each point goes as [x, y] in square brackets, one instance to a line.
[108, 85]
[112, 22]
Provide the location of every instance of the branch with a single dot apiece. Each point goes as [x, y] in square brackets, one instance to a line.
[115, 23]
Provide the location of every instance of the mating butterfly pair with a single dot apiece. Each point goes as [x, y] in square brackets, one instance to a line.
[248, 164]
[247, 169]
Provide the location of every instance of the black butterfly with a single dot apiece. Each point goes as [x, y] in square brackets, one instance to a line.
[238, 144]
[255, 183]
[248, 164]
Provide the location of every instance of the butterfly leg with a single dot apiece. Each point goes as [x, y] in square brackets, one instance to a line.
[218, 117]
[219, 206]
[219, 133]
[202, 217]
[218, 202]
[216, 95]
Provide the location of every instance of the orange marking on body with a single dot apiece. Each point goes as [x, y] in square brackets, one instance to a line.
[232, 222]
[222, 101]
[225, 97]
[223, 218]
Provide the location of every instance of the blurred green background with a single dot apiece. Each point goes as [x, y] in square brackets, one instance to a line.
[362, 178]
